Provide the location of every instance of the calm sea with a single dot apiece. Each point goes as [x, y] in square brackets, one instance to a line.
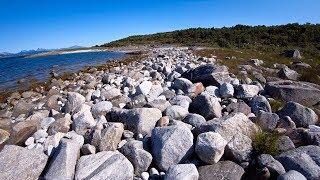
[13, 70]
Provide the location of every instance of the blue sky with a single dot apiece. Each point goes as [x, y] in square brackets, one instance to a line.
[29, 24]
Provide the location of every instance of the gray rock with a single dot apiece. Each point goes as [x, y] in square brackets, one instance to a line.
[15, 162]
[161, 104]
[194, 119]
[140, 120]
[274, 166]
[288, 73]
[245, 91]
[210, 147]
[171, 145]
[83, 120]
[107, 165]
[110, 93]
[176, 112]
[95, 94]
[304, 159]
[182, 172]
[46, 122]
[74, 102]
[65, 157]
[284, 144]
[87, 149]
[209, 75]
[307, 94]
[182, 84]
[230, 126]
[238, 107]
[137, 102]
[292, 175]
[267, 121]
[60, 125]
[22, 107]
[111, 136]
[140, 158]
[4, 136]
[313, 135]
[301, 115]
[207, 106]
[155, 92]
[221, 171]
[226, 90]
[258, 103]
[212, 91]
[239, 148]
[144, 88]
[101, 108]
[181, 100]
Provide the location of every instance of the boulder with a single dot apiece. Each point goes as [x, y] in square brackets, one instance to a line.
[104, 165]
[274, 166]
[238, 107]
[307, 94]
[171, 145]
[160, 104]
[88, 149]
[144, 88]
[300, 115]
[209, 74]
[21, 131]
[60, 125]
[267, 121]
[292, 175]
[176, 112]
[207, 106]
[287, 73]
[181, 100]
[230, 126]
[194, 119]
[210, 147]
[137, 102]
[182, 172]
[74, 102]
[63, 163]
[22, 107]
[220, 171]
[140, 158]
[110, 94]
[101, 108]
[111, 136]
[239, 148]
[182, 84]
[226, 90]
[16, 162]
[140, 120]
[258, 103]
[155, 91]
[4, 136]
[245, 91]
[304, 159]
[83, 120]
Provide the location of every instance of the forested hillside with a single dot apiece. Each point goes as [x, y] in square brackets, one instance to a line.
[306, 37]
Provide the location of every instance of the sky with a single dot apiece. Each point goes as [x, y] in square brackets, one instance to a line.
[32, 24]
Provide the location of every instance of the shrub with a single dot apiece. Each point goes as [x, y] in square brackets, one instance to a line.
[266, 143]
[276, 105]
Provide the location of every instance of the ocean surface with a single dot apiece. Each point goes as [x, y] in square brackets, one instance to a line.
[17, 69]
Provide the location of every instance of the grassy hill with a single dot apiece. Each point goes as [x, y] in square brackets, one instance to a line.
[305, 37]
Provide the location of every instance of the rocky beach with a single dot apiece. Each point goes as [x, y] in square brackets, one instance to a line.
[171, 114]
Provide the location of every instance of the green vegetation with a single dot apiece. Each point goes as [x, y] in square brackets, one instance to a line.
[266, 143]
[305, 37]
[276, 105]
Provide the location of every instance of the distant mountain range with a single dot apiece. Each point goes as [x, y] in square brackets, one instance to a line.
[34, 51]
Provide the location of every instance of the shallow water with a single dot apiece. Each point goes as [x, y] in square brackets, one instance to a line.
[14, 69]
